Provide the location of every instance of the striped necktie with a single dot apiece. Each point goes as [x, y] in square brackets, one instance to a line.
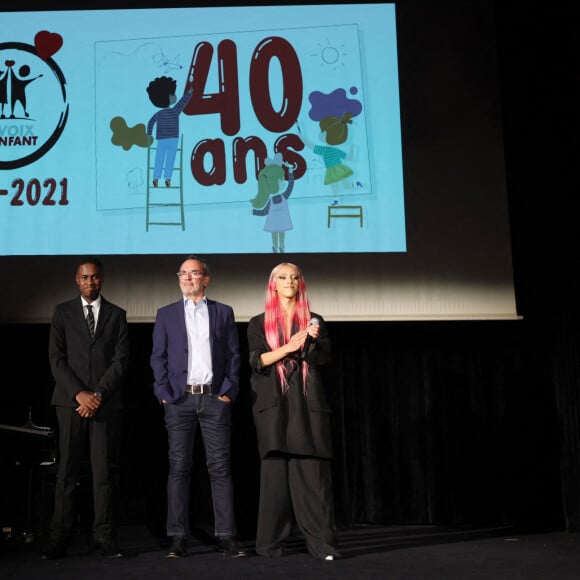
[90, 319]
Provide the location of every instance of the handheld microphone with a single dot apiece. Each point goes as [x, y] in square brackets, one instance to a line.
[308, 340]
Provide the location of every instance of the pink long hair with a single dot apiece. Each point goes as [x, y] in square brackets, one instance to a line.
[274, 327]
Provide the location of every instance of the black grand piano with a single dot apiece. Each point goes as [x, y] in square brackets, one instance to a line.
[27, 468]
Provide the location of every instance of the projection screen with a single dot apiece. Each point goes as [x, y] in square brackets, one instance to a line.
[361, 141]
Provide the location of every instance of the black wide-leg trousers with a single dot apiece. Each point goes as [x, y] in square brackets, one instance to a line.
[300, 488]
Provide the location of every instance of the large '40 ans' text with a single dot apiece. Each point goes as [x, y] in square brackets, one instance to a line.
[226, 103]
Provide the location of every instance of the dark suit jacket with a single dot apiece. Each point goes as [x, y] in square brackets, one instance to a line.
[290, 423]
[169, 354]
[81, 362]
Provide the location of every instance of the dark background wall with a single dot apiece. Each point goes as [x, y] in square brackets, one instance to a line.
[439, 422]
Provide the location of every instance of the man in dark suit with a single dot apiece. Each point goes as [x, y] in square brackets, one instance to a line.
[89, 355]
[196, 364]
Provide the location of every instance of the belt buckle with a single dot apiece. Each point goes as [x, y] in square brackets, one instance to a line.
[199, 389]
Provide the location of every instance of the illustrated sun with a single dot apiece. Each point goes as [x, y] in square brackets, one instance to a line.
[331, 55]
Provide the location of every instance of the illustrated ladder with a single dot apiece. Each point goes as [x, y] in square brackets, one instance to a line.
[154, 194]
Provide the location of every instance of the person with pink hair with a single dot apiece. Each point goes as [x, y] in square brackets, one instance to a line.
[288, 345]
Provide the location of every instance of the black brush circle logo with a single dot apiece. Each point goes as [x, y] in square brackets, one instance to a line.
[33, 100]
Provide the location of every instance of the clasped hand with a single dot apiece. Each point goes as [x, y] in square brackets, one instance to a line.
[296, 341]
[89, 404]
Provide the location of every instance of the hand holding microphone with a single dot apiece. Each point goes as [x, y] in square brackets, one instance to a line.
[309, 339]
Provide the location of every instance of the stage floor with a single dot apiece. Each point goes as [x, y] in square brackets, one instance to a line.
[369, 552]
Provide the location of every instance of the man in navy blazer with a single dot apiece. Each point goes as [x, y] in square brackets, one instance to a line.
[89, 357]
[196, 364]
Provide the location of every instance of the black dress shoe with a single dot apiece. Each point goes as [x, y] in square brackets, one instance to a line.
[178, 547]
[229, 546]
[55, 550]
[107, 549]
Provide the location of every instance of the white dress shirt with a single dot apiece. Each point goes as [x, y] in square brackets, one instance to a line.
[96, 304]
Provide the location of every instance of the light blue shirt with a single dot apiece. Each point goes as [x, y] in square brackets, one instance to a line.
[199, 369]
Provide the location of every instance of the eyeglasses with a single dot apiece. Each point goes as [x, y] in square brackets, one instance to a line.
[192, 273]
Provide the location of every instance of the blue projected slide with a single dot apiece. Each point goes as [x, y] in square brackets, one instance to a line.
[237, 130]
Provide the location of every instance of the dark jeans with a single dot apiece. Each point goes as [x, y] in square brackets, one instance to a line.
[214, 419]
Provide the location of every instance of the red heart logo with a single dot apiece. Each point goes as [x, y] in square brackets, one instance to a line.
[9, 63]
[47, 43]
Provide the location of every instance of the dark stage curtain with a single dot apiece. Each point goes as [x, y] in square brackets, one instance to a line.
[471, 423]
[566, 379]
[445, 423]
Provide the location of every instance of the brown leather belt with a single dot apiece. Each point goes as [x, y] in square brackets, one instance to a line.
[199, 389]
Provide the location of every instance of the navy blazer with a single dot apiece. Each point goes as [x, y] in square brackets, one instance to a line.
[170, 353]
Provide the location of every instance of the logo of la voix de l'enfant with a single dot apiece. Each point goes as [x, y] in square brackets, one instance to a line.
[33, 100]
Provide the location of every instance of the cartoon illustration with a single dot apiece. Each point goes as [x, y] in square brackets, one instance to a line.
[135, 179]
[333, 112]
[162, 94]
[125, 136]
[166, 63]
[270, 202]
[334, 131]
[18, 86]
